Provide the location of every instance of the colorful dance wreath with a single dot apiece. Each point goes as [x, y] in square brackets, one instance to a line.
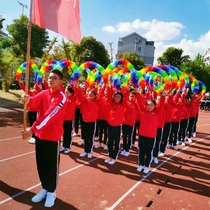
[121, 74]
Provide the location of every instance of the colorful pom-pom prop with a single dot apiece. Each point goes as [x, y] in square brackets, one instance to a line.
[22, 68]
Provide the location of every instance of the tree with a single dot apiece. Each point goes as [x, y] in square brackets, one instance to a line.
[133, 58]
[9, 63]
[198, 69]
[173, 56]
[89, 50]
[19, 36]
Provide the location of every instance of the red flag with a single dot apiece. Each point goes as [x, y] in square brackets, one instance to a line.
[60, 16]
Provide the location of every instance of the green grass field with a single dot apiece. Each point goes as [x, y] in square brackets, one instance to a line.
[10, 98]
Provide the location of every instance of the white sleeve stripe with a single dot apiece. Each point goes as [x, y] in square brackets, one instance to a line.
[45, 121]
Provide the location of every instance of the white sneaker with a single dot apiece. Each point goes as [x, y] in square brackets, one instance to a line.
[32, 140]
[139, 169]
[105, 147]
[183, 144]
[81, 142]
[175, 148]
[62, 149]
[50, 200]
[146, 170]
[107, 160]
[155, 160]
[75, 134]
[123, 152]
[96, 138]
[169, 146]
[67, 150]
[98, 145]
[194, 134]
[126, 154]
[83, 154]
[189, 140]
[112, 162]
[40, 196]
[89, 155]
[179, 142]
[161, 154]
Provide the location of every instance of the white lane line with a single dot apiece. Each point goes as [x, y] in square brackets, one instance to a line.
[65, 172]
[11, 138]
[141, 180]
[120, 199]
[16, 156]
[202, 125]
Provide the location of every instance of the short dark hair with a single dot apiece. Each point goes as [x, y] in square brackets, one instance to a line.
[152, 100]
[59, 73]
[70, 89]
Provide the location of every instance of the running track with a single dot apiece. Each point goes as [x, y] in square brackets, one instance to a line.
[180, 181]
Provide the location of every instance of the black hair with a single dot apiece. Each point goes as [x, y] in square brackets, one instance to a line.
[152, 100]
[118, 93]
[93, 91]
[59, 73]
[70, 89]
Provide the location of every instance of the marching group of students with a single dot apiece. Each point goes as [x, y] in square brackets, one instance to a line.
[161, 121]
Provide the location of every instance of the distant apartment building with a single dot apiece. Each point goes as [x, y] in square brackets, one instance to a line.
[136, 43]
[206, 57]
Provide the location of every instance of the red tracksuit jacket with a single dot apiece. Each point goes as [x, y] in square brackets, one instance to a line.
[51, 108]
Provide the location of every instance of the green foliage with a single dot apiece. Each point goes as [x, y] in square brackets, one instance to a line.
[133, 58]
[19, 36]
[89, 50]
[173, 56]
[198, 69]
[9, 63]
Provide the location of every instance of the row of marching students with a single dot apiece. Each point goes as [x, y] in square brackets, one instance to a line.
[160, 121]
[118, 111]
[121, 113]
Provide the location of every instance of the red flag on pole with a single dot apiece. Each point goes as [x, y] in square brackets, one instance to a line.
[60, 16]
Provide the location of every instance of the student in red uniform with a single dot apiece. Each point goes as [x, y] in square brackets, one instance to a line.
[168, 109]
[129, 119]
[115, 120]
[102, 119]
[78, 116]
[161, 120]
[48, 129]
[146, 96]
[68, 119]
[147, 131]
[31, 113]
[186, 109]
[196, 98]
[90, 104]
[176, 119]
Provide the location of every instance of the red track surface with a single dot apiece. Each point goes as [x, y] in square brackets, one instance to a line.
[180, 181]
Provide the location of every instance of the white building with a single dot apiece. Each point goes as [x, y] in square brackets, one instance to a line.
[136, 43]
[206, 57]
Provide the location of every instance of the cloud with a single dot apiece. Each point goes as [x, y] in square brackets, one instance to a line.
[190, 47]
[154, 30]
[165, 35]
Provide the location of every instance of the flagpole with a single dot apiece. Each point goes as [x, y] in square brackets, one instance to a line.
[28, 57]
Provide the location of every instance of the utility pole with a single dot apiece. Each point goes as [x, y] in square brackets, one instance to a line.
[111, 50]
[23, 6]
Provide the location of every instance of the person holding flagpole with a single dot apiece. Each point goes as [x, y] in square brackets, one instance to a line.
[48, 129]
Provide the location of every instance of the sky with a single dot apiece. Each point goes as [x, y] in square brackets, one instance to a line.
[183, 24]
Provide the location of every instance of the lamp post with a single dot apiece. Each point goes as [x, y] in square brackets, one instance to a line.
[111, 50]
[23, 6]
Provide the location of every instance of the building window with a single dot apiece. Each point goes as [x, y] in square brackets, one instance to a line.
[139, 49]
